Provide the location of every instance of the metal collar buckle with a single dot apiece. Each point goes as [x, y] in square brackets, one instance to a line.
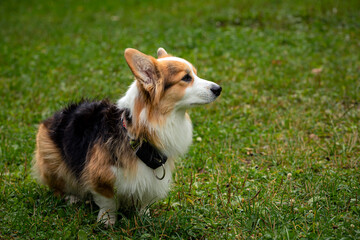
[164, 173]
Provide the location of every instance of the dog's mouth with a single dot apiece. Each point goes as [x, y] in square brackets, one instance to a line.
[203, 103]
[196, 104]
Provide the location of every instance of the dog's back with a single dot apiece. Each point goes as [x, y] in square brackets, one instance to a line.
[66, 140]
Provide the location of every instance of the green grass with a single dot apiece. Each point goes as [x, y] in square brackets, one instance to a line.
[275, 157]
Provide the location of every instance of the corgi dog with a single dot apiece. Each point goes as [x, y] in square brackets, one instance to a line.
[123, 153]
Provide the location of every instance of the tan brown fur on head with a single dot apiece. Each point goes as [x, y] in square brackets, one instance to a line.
[161, 53]
[146, 72]
[159, 83]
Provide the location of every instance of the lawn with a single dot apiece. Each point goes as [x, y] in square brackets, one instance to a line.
[277, 156]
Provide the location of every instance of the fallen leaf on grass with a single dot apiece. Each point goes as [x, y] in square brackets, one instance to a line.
[316, 71]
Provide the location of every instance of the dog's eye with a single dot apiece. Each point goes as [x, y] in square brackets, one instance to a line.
[187, 78]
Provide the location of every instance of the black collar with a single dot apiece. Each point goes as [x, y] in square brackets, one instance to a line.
[144, 150]
[151, 156]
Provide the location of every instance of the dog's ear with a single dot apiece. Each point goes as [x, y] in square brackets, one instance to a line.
[144, 68]
[161, 53]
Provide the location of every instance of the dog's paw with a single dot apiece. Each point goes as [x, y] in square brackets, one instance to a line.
[107, 218]
[71, 199]
[145, 212]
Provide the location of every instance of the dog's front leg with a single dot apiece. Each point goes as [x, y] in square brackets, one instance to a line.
[108, 208]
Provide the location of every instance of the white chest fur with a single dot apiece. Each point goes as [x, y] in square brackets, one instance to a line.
[143, 187]
[175, 136]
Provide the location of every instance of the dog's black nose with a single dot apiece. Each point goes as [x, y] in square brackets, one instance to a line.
[216, 89]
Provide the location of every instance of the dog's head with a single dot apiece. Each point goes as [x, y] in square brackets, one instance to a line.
[168, 82]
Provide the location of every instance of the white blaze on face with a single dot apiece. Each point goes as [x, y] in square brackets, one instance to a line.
[197, 93]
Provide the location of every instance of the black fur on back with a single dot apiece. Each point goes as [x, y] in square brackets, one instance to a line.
[79, 126]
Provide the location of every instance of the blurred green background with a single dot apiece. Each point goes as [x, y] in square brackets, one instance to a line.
[275, 157]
